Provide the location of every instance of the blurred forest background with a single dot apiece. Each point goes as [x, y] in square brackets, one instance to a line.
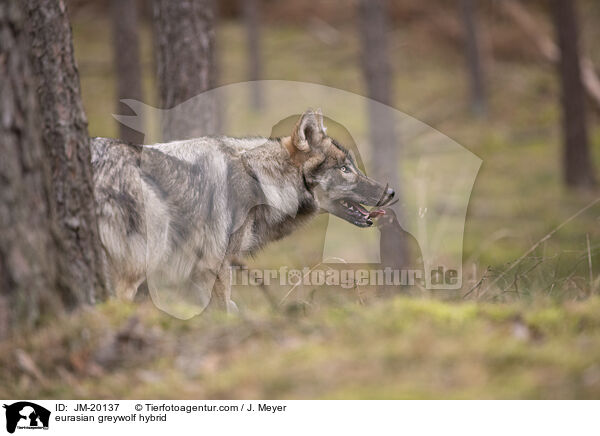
[515, 82]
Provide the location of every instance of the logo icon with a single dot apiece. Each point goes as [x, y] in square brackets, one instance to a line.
[26, 415]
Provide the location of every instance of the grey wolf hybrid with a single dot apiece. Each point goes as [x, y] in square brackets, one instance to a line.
[177, 213]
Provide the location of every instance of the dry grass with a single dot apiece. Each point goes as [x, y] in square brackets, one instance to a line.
[399, 348]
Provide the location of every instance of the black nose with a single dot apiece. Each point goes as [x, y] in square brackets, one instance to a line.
[390, 192]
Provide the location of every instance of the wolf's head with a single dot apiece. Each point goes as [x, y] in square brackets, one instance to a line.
[331, 174]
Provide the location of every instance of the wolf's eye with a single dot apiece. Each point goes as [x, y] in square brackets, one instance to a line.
[344, 169]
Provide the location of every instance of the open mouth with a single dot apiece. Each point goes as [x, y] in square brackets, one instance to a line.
[357, 214]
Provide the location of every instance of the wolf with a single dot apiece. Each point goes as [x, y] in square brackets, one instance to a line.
[181, 212]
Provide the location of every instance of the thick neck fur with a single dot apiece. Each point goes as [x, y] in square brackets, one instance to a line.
[289, 203]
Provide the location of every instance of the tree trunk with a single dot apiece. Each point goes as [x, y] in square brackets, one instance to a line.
[373, 22]
[473, 58]
[184, 43]
[530, 27]
[252, 23]
[65, 138]
[577, 166]
[127, 62]
[377, 72]
[27, 274]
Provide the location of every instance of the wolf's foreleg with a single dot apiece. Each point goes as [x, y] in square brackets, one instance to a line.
[221, 293]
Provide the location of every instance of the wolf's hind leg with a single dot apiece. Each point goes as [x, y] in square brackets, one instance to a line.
[126, 289]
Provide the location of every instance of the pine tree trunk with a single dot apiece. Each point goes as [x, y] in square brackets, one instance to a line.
[27, 273]
[127, 62]
[377, 72]
[252, 22]
[473, 57]
[384, 139]
[185, 58]
[577, 166]
[65, 139]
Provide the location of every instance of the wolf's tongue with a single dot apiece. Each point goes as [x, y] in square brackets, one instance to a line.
[376, 212]
[361, 209]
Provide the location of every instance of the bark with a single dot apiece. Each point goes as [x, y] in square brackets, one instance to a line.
[375, 61]
[27, 274]
[185, 58]
[65, 139]
[377, 72]
[127, 62]
[373, 23]
[577, 166]
[528, 24]
[473, 58]
[252, 23]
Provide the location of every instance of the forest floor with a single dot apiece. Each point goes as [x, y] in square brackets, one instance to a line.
[396, 348]
[534, 334]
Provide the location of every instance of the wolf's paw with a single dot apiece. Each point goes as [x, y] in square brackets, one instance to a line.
[232, 307]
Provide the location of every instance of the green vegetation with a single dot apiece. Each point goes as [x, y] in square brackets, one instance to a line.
[400, 348]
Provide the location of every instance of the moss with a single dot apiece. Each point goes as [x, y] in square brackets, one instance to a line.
[398, 348]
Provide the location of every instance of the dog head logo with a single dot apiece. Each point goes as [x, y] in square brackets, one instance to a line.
[26, 415]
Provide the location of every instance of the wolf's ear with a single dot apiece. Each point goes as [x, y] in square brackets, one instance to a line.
[322, 128]
[309, 130]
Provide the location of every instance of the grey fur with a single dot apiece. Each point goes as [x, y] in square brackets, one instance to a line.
[181, 211]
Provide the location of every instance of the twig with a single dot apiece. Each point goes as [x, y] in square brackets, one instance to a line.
[478, 284]
[589, 253]
[537, 244]
[522, 274]
[304, 276]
